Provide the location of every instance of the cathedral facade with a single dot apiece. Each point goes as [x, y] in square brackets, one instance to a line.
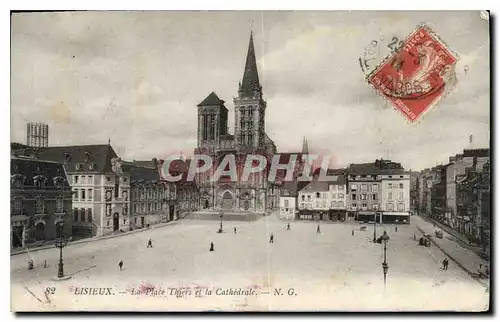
[256, 194]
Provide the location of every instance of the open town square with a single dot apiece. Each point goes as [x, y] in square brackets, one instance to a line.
[330, 270]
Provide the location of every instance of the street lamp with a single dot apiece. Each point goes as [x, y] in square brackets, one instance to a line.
[375, 228]
[220, 229]
[385, 266]
[61, 242]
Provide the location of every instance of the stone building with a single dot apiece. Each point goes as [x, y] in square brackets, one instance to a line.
[457, 167]
[369, 198]
[473, 203]
[324, 200]
[152, 200]
[187, 191]
[249, 137]
[395, 196]
[288, 206]
[100, 188]
[40, 198]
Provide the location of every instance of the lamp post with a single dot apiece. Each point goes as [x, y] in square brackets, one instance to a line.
[220, 229]
[60, 243]
[385, 266]
[375, 228]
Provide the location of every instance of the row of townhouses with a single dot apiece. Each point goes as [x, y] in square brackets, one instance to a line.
[457, 194]
[92, 190]
[362, 192]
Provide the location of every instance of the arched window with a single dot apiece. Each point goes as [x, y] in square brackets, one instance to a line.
[39, 181]
[89, 215]
[75, 214]
[82, 215]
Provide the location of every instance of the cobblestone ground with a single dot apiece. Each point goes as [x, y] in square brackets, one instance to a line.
[301, 270]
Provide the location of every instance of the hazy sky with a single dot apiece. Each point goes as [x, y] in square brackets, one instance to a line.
[137, 77]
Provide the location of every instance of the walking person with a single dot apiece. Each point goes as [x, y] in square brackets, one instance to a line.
[396, 228]
[318, 230]
[212, 246]
[288, 226]
[353, 232]
[235, 230]
[150, 244]
[445, 264]
[120, 265]
[271, 239]
[414, 237]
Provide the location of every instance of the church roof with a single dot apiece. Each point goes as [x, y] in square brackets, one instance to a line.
[250, 80]
[212, 100]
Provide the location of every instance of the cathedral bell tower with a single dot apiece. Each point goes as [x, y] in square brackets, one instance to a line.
[212, 122]
[249, 106]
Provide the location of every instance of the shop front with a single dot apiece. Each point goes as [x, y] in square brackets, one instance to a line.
[389, 217]
[335, 215]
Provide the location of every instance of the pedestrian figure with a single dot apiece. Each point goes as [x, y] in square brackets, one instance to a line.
[271, 239]
[235, 230]
[396, 228]
[212, 247]
[353, 232]
[445, 264]
[288, 226]
[120, 264]
[318, 231]
[150, 244]
[414, 237]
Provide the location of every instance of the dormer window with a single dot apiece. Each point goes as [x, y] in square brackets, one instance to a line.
[87, 157]
[58, 182]
[78, 166]
[17, 181]
[39, 181]
[92, 167]
[67, 156]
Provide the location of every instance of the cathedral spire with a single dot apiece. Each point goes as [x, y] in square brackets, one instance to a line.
[250, 80]
[305, 147]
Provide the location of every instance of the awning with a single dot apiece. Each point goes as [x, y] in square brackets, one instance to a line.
[371, 213]
[394, 213]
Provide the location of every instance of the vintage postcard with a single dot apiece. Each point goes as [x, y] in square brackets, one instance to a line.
[250, 161]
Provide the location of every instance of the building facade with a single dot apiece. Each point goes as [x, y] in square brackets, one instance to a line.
[414, 191]
[366, 198]
[473, 208]
[363, 191]
[100, 187]
[40, 198]
[324, 200]
[457, 167]
[188, 191]
[288, 208]
[395, 196]
[152, 200]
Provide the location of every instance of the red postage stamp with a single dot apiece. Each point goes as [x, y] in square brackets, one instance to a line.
[417, 75]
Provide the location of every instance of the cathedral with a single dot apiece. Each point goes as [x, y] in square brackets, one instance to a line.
[256, 194]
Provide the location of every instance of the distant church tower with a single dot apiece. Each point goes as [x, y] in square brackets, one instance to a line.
[212, 122]
[305, 146]
[249, 106]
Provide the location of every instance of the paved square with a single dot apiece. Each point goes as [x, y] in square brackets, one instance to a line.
[329, 271]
